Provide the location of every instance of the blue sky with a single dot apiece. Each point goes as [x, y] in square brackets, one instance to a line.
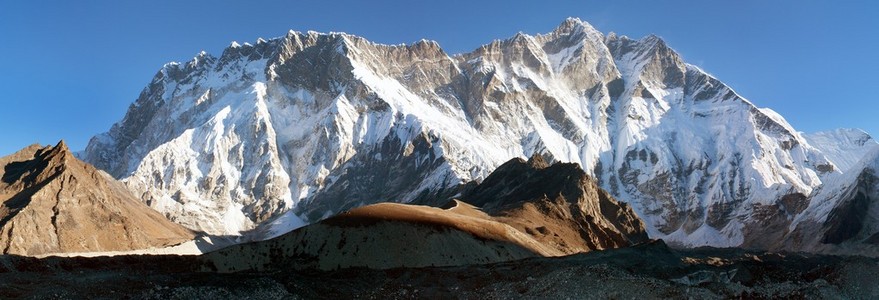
[70, 69]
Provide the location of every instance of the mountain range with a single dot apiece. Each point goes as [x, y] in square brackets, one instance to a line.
[290, 131]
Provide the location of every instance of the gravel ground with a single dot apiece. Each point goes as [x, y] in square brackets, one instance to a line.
[650, 271]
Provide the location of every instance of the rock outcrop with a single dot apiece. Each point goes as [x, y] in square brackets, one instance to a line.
[50, 202]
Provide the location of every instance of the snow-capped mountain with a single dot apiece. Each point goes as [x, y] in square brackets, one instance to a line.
[310, 124]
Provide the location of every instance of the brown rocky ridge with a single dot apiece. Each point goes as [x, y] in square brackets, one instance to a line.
[558, 205]
[528, 209]
[52, 203]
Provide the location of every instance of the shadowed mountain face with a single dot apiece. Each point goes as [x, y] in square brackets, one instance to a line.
[50, 202]
[557, 204]
[529, 209]
[851, 204]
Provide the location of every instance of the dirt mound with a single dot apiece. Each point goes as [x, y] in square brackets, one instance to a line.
[383, 236]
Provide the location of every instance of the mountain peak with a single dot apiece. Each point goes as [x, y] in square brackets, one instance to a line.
[572, 25]
[571, 22]
[61, 146]
[59, 153]
[654, 39]
[537, 162]
[35, 164]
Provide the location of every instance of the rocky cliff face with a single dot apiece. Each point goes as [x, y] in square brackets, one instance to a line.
[54, 203]
[309, 124]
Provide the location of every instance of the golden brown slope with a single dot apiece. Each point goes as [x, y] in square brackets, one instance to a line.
[383, 236]
[51, 202]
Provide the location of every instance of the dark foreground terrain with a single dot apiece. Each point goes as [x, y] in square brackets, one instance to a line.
[645, 271]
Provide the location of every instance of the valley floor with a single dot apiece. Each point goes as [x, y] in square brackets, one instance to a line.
[645, 271]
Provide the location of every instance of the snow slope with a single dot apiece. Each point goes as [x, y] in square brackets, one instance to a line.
[844, 147]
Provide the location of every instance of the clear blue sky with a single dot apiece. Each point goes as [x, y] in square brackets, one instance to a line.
[71, 68]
